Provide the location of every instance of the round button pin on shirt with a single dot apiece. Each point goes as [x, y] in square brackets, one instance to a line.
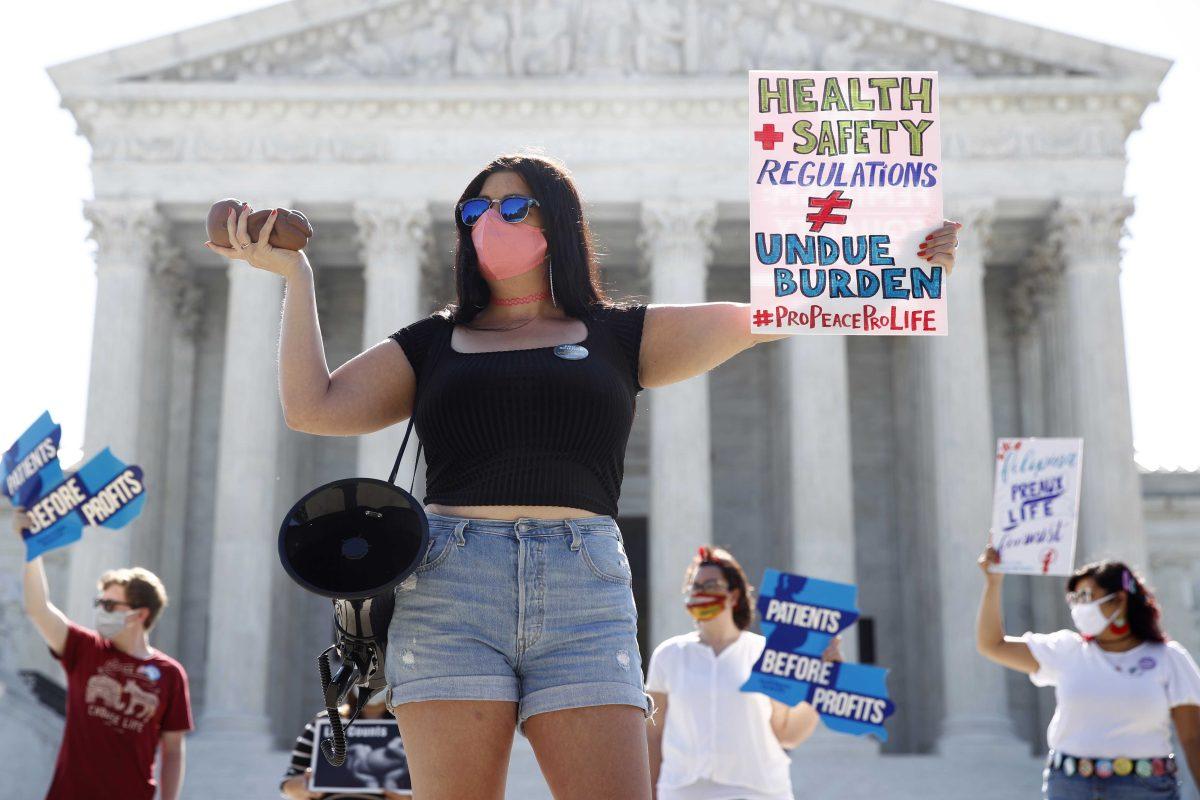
[571, 352]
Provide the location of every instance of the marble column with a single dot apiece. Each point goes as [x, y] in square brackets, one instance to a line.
[394, 238]
[1174, 564]
[821, 491]
[974, 706]
[1046, 411]
[677, 238]
[187, 299]
[821, 483]
[130, 235]
[1024, 306]
[1088, 231]
[245, 523]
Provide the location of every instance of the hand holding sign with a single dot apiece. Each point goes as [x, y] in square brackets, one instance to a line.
[801, 618]
[989, 558]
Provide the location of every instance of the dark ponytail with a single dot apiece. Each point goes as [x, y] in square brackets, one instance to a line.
[1141, 609]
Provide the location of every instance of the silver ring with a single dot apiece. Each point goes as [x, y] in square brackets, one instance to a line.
[244, 244]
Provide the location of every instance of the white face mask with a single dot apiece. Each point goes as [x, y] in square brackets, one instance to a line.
[110, 623]
[1089, 619]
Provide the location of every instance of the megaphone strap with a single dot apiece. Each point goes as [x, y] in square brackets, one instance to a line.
[437, 351]
[400, 456]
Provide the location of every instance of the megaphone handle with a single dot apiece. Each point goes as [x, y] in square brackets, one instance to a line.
[335, 750]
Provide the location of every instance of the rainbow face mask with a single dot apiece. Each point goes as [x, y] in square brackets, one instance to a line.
[705, 606]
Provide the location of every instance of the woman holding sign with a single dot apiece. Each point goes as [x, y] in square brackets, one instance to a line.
[1119, 682]
[523, 392]
[709, 740]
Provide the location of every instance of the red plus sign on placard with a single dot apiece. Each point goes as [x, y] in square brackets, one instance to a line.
[768, 137]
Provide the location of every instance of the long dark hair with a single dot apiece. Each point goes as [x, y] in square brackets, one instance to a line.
[568, 240]
[1141, 609]
[735, 576]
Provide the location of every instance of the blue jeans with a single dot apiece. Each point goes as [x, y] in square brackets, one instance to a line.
[536, 612]
[1056, 785]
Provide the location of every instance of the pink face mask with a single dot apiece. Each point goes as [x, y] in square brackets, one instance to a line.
[506, 249]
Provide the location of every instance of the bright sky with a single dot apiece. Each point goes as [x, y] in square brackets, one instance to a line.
[47, 280]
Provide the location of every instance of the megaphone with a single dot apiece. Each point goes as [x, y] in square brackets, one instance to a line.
[353, 541]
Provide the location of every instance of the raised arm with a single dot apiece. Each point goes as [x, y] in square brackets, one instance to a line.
[792, 725]
[682, 341]
[49, 621]
[370, 391]
[1007, 651]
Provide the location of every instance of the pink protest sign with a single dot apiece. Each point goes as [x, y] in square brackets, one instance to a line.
[845, 183]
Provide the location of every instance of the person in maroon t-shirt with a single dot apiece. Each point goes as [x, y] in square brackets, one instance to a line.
[123, 696]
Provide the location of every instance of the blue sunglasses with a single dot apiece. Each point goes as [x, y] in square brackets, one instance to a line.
[513, 208]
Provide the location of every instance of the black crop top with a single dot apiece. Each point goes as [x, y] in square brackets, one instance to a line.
[526, 427]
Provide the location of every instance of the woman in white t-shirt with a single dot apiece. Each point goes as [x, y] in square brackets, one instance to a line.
[1120, 685]
[708, 739]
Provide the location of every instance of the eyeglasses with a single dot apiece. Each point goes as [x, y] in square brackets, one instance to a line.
[513, 208]
[108, 605]
[708, 587]
[1084, 596]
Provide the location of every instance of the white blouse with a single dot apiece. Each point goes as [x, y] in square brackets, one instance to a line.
[1112, 705]
[718, 740]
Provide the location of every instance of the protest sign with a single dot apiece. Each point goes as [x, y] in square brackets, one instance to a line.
[845, 183]
[375, 760]
[104, 491]
[31, 464]
[800, 616]
[1035, 508]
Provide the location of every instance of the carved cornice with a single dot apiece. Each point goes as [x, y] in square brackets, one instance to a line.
[208, 129]
[353, 102]
[601, 37]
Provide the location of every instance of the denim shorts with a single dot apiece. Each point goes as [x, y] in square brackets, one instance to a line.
[536, 612]
[1057, 785]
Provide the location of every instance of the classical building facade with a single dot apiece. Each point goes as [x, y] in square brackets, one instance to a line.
[860, 459]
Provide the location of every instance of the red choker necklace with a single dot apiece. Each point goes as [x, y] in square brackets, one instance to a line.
[520, 301]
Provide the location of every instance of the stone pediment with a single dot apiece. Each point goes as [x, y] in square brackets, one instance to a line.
[304, 40]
